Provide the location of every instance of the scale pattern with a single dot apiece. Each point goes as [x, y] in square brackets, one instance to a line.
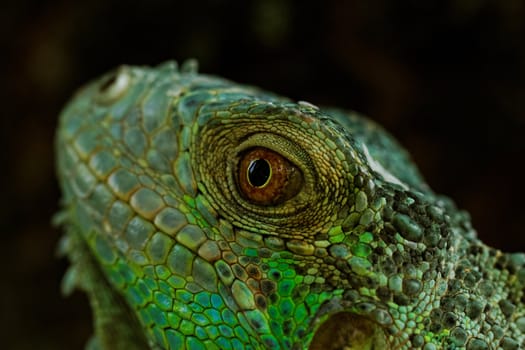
[173, 256]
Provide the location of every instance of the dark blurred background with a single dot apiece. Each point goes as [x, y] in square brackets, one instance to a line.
[445, 77]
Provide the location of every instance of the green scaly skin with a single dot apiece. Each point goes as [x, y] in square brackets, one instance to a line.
[174, 256]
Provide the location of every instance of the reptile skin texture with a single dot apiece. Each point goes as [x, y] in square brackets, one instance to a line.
[203, 214]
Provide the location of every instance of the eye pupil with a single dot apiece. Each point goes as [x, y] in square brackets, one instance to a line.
[259, 172]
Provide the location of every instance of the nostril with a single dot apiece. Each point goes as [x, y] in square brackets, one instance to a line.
[114, 87]
[348, 331]
[108, 83]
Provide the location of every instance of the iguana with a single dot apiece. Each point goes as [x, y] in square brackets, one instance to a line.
[204, 214]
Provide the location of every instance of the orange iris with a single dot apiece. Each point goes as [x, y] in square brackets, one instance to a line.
[267, 178]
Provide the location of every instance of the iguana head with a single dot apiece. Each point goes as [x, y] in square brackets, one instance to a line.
[228, 217]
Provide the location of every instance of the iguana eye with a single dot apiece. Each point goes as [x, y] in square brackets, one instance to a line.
[267, 178]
